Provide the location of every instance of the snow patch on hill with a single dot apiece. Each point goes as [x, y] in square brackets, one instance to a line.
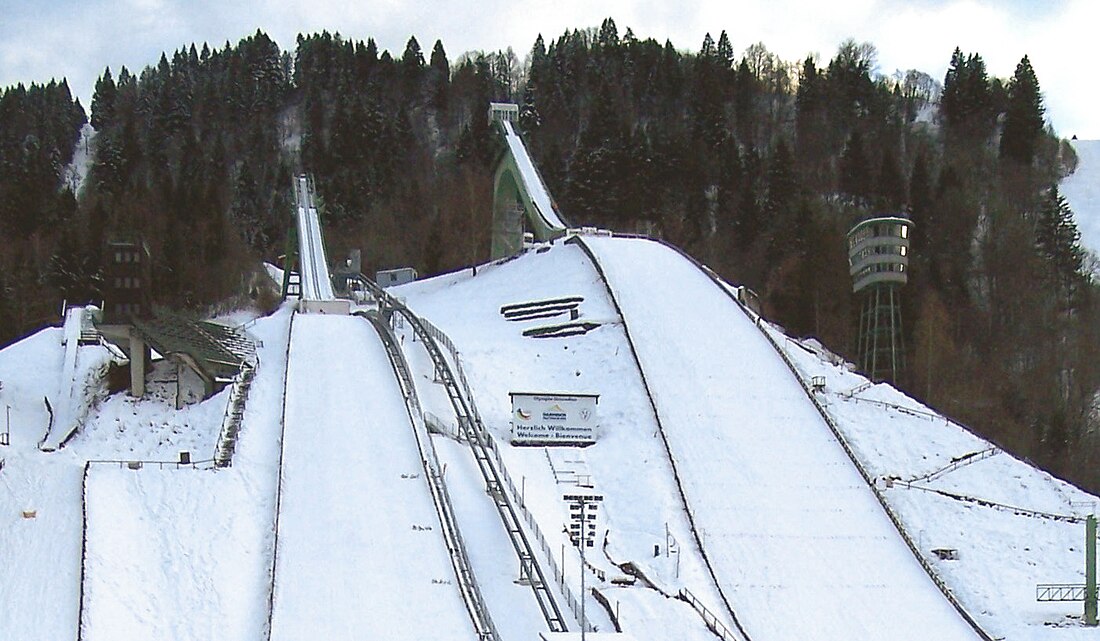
[1082, 191]
[76, 172]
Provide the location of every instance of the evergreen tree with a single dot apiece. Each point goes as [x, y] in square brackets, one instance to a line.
[529, 118]
[412, 61]
[708, 51]
[440, 76]
[724, 50]
[744, 102]
[781, 204]
[103, 101]
[811, 137]
[967, 103]
[920, 201]
[1057, 242]
[1024, 117]
[708, 113]
[854, 173]
[890, 186]
[609, 34]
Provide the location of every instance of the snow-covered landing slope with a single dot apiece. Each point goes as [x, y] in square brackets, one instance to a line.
[185, 554]
[360, 554]
[40, 557]
[798, 542]
[1082, 191]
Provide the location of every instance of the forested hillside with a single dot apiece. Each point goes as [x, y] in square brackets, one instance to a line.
[756, 165]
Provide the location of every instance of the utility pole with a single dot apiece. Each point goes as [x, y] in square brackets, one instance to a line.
[1090, 570]
[584, 619]
[1078, 592]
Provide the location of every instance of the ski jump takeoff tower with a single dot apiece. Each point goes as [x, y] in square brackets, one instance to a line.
[878, 259]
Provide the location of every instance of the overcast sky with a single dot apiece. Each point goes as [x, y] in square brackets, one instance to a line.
[76, 39]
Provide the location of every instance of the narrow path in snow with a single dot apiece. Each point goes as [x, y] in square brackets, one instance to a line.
[798, 543]
[360, 554]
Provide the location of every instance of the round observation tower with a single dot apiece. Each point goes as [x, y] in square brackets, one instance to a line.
[878, 260]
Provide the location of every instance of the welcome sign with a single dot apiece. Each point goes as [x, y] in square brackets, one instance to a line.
[540, 418]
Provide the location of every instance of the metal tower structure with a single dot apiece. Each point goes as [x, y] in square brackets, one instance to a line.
[878, 259]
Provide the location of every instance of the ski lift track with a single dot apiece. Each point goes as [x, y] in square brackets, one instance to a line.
[456, 547]
[480, 445]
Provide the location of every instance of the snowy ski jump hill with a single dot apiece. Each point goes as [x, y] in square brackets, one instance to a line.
[1082, 191]
[753, 486]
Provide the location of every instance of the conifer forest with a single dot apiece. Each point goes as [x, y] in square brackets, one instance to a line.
[755, 165]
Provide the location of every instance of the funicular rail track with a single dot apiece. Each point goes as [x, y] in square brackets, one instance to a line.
[456, 547]
[473, 430]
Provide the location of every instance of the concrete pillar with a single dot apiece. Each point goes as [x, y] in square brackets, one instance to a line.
[138, 356]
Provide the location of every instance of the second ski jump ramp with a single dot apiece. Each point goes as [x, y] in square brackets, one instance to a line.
[797, 541]
[359, 554]
[317, 293]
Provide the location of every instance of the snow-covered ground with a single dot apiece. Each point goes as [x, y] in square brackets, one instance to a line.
[641, 507]
[80, 385]
[1002, 555]
[794, 535]
[76, 172]
[1007, 543]
[146, 524]
[360, 552]
[1082, 191]
[185, 553]
[795, 538]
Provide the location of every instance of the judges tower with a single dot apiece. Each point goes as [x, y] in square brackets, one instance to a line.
[878, 259]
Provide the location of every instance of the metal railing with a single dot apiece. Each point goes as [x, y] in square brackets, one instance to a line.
[440, 426]
[1018, 511]
[571, 599]
[1060, 592]
[912, 411]
[83, 552]
[558, 572]
[481, 444]
[278, 487]
[429, 460]
[140, 464]
[962, 461]
[713, 623]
